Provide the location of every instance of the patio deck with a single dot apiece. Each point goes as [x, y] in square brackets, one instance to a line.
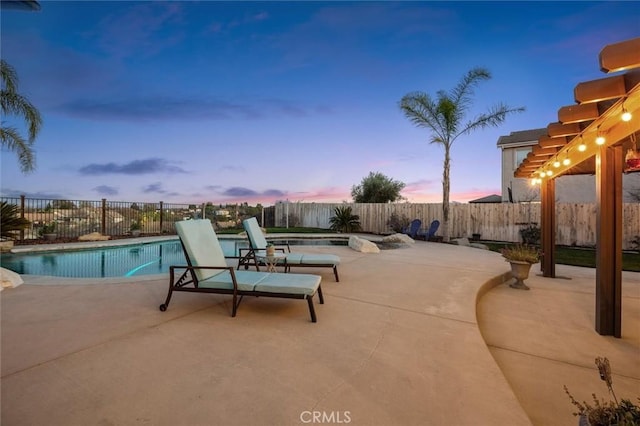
[397, 342]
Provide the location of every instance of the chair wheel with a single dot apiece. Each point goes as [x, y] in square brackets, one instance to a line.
[163, 307]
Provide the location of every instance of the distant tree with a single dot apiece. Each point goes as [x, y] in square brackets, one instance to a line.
[377, 188]
[443, 117]
[13, 103]
[344, 220]
[135, 206]
[62, 204]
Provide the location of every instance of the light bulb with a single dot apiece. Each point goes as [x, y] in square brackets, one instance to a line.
[534, 181]
[542, 174]
[600, 140]
[566, 161]
[582, 147]
[626, 115]
[556, 164]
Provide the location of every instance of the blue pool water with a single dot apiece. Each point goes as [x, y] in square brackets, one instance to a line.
[120, 261]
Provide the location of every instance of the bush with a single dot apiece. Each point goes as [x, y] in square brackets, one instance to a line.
[10, 221]
[344, 220]
[397, 223]
[530, 235]
[606, 413]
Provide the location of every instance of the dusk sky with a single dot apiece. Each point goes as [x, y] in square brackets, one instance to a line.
[264, 101]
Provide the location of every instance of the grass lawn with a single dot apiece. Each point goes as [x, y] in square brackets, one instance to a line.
[580, 256]
[575, 256]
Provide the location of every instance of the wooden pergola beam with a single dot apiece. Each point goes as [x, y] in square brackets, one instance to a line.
[558, 129]
[600, 90]
[549, 142]
[578, 113]
[620, 56]
[538, 151]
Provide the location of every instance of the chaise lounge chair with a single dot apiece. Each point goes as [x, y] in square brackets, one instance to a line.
[258, 245]
[208, 272]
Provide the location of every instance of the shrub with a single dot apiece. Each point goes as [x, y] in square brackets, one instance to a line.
[521, 253]
[530, 234]
[10, 221]
[344, 220]
[605, 413]
[397, 223]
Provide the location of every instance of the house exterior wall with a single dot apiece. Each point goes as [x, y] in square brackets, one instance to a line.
[569, 188]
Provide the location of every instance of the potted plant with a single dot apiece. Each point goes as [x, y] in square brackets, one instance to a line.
[271, 249]
[134, 228]
[521, 257]
[623, 413]
[48, 231]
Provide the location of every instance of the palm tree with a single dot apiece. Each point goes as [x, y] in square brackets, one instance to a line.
[444, 115]
[14, 103]
[10, 220]
[344, 220]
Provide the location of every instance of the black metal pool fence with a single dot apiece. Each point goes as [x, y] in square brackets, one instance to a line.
[68, 219]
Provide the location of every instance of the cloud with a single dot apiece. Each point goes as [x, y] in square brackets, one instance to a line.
[143, 29]
[136, 167]
[12, 193]
[237, 191]
[106, 190]
[156, 108]
[154, 188]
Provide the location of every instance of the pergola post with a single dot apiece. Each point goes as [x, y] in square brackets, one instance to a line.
[609, 170]
[548, 227]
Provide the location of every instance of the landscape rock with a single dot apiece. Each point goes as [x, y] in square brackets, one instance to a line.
[398, 238]
[479, 246]
[9, 278]
[362, 245]
[461, 242]
[94, 236]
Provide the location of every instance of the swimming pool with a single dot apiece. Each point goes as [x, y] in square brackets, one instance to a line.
[121, 261]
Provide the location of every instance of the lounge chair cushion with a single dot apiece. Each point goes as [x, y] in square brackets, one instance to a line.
[312, 259]
[247, 280]
[290, 284]
[202, 246]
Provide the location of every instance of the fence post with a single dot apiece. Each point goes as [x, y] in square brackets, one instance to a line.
[103, 230]
[22, 197]
[161, 216]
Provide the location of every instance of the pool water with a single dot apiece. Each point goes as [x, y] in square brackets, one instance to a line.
[121, 261]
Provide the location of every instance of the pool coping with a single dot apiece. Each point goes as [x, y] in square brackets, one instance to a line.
[81, 245]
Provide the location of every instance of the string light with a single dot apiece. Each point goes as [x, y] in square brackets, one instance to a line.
[549, 172]
[556, 163]
[566, 160]
[582, 147]
[542, 174]
[600, 139]
[626, 115]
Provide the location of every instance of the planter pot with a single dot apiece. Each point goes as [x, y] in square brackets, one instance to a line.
[476, 237]
[135, 233]
[519, 271]
[50, 237]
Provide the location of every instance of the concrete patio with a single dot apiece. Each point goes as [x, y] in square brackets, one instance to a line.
[422, 335]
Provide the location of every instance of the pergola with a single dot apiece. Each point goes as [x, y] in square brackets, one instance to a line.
[597, 136]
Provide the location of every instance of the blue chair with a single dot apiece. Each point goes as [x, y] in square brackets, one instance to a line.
[431, 232]
[413, 228]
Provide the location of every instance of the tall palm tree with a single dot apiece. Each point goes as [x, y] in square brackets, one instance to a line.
[15, 104]
[444, 115]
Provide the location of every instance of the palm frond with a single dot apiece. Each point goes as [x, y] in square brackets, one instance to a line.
[13, 141]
